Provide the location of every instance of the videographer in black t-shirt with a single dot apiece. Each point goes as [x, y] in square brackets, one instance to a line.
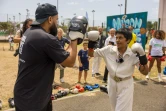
[38, 53]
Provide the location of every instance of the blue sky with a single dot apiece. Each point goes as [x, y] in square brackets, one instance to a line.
[67, 8]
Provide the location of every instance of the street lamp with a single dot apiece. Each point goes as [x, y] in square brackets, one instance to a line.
[27, 13]
[38, 4]
[14, 24]
[125, 7]
[9, 19]
[120, 5]
[19, 17]
[57, 5]
[14, 19]
[93, 17]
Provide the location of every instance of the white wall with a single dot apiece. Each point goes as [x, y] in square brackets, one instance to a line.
[162, 14]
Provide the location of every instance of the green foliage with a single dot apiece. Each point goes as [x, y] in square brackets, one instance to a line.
[149, 24]
[63, 27]
[6, 28]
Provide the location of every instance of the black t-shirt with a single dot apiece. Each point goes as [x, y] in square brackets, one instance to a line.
[38, 53]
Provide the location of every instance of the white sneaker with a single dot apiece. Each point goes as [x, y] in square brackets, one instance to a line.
[62, 80]
[147, 76]
[160, 78]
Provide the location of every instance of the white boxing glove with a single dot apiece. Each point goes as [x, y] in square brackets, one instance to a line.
[93, 35]
[138, 49]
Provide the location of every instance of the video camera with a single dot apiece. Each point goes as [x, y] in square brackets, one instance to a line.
[16, 52]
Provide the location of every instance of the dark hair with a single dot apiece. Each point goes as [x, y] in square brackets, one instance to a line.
[161, 34]
[24, 28]
[125, 32]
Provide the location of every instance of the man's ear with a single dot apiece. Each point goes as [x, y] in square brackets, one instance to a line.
[49, 19]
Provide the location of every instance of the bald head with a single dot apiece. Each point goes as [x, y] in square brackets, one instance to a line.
[112, 32]
[100, 29]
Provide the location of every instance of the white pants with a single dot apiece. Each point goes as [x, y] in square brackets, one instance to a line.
[121, 94]
[96, 65]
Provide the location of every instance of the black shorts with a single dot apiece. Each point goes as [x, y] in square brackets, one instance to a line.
[84, 67]
[157, 56]
[46, 108]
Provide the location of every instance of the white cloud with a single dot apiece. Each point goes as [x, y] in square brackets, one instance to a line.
[153, 13]
[72, 3]
[95, 0]
[156, 1]
[82, 9]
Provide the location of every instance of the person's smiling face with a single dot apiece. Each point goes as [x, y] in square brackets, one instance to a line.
[121, 41]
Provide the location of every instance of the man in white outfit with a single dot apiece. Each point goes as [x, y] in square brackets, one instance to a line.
[97, 60]
[121, 61]
[111, 40]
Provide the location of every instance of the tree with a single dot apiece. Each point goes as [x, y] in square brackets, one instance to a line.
[155, 25]
[6, 27]
[149, 24]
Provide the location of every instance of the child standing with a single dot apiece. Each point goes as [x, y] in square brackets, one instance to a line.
[156, 50]
[83, 59]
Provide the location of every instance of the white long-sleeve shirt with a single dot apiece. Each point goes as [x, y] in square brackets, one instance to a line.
[110, 55]
[109, 38]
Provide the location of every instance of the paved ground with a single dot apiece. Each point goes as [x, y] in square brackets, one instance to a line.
[148, 96]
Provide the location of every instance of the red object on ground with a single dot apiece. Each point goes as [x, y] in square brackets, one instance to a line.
[163, 58]
[78, 86]
[149, 57]
[81, 89]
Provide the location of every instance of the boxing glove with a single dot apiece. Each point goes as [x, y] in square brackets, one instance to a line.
[67, 90]
[74, 91]
[149, 57]
[137, 48]
[163, 58]
[78, 86]
[93, 37]
[77, 28]
[11, 102]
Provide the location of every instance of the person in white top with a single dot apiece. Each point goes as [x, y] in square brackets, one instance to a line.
[121, 61]
[111, 37]
[97, 60]
[111, 40]
[156, 51]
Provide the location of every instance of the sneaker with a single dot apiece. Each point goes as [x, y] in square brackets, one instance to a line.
[159, 78]
[79, 82]
[61, 80]
[98, 74]
[104, 81]
[147, 76]
[85, 82]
